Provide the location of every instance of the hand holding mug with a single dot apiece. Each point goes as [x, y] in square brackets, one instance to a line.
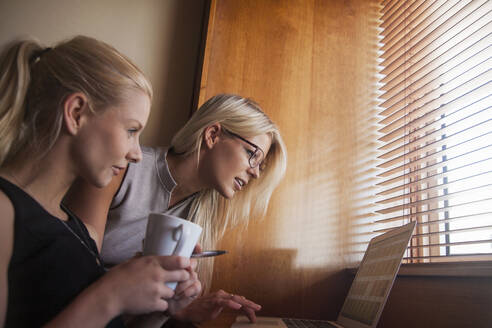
[169, 235]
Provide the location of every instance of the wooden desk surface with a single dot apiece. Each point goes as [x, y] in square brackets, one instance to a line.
[224, 320]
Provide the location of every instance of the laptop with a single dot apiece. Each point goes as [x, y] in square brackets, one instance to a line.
[369, 290]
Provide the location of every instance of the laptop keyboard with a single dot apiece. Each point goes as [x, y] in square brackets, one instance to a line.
[304, 323]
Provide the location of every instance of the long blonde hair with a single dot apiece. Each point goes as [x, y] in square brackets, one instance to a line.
[210, 210]
[35, 81]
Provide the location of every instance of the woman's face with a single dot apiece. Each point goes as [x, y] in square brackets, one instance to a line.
[226, 164]
[110, 139]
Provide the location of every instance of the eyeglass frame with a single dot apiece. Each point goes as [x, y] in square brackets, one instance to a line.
[257, 148]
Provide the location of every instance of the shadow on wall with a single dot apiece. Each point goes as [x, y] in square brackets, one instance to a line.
[173, 102]
[317, 293]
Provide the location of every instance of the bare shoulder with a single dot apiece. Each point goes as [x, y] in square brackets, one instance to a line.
[6, 245]
[6, 223]
[6, 230]
[7, 212]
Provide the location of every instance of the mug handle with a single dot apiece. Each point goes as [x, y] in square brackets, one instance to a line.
[178, 235]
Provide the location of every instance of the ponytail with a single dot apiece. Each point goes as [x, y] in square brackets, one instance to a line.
[14, 82]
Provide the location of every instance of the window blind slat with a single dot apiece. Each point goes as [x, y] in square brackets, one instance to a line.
[429, 158]
[436, 117]
[438, 32]
[386, 5]
[453, 231]
[479, 84]
[474, 32]
[486, 175]
[432, 132]
[414, 73]
[470, 242]
[471, 256]
[411, 16]
[422, 213]
[417, 85]
[393, 10]
[437, 144]
[425, 115]
[463, 218]
[433, 200]
[416, 31]
[433, 168]
[456, 23]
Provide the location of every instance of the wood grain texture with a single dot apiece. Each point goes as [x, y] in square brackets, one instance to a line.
[311, 66]
[451, 302]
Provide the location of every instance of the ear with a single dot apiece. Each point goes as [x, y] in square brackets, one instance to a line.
[212, 134]
[75, 108]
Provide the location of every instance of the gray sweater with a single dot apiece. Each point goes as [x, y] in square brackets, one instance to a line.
[146, 188]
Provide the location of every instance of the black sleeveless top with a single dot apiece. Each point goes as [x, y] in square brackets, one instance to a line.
[49, 266]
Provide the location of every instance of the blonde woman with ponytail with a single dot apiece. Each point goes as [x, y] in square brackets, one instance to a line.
[219, 171]
[72, 111]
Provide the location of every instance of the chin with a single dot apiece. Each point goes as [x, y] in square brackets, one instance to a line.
[102, 182]
[227, 194]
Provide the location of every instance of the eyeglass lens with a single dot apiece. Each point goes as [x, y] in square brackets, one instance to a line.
[256, 158]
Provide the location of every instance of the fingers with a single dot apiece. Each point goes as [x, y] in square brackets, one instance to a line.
[249, 313]
[161, 305]
[228, 303]
[245, 302]
[209, 306]
[190, 288]
[164, 292]
[198, 249]
[191, 291]
[175, 276]
[237, 302]
[173, 262]
[174, 267]
[193, 264]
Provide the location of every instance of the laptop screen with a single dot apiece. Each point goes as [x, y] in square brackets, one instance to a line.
[377, 271]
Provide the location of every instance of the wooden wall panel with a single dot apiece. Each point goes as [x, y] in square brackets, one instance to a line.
[451, 302]
[311, 66]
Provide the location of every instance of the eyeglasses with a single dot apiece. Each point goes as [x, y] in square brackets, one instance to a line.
[257, 157]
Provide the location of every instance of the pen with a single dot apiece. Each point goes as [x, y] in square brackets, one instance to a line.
[208, 253]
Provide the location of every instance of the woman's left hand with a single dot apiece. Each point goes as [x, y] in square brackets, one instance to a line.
[208, 307]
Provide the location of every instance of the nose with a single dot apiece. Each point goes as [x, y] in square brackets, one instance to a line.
[135, 153]
[254, 172]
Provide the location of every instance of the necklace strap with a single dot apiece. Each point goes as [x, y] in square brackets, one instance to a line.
[83, 239]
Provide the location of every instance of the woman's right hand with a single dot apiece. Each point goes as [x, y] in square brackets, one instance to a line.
[138, 285]
[208, 307]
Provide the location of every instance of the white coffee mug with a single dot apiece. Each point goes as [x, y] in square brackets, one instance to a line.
[170, 235]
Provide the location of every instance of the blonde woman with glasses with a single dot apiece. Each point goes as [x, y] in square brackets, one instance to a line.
[72, 111]
[219, 171]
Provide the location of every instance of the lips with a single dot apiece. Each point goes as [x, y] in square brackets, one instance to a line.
[116, 169]
[239, 183]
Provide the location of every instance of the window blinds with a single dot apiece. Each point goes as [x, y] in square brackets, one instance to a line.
[436, 126]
